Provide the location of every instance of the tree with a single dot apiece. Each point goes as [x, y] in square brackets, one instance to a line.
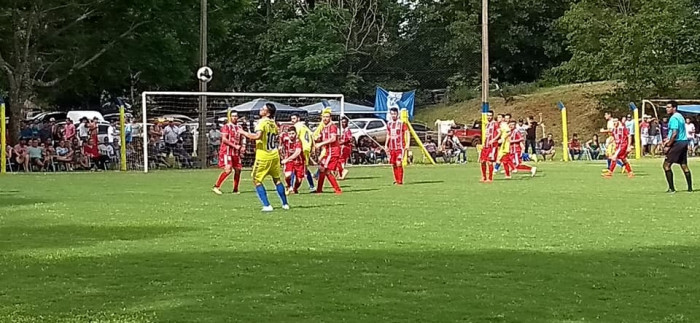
[644, 43]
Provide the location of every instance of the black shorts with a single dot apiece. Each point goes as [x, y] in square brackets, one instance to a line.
[678, 153]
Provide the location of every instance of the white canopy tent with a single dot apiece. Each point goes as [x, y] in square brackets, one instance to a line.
[350, 108]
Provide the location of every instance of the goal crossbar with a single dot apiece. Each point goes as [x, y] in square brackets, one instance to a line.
[144, 107]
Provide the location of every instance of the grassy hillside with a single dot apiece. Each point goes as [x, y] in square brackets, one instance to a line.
[583, 108]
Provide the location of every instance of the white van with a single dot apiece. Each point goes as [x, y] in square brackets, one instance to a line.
[75, 116]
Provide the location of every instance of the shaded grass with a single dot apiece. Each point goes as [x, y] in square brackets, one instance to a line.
[565, 246]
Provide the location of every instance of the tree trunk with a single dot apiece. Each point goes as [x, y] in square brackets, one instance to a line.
[14, 111]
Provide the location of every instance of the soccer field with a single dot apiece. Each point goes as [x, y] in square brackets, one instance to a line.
[565, 246]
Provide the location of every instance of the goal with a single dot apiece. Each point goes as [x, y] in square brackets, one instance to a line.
[197, 117]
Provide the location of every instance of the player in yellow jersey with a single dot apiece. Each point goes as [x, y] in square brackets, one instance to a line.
[307, 143]
[504, 143]
[267, 156]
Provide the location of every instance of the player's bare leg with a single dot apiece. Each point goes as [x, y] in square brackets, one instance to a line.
[222, 177]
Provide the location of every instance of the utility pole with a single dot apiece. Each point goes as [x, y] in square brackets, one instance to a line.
[484, 66]
[202, 129]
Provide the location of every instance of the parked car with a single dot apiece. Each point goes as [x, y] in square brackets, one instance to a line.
[423, 132]
[76, 115]
[44, 117]
[468, 135]
[368, 127]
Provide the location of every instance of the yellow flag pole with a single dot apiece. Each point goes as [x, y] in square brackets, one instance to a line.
[122, 138]
[404, 118]
[564, 131]
[637, 135]
[3, 139]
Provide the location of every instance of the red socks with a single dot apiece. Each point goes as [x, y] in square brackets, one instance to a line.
[319, 185]
[333, 182]
[490, 172]
[221, 179]
[524, 167]
[288, 180]
[628, 168]
[236, 180]
[297, 184]
[483, 171]
[331, 179]
[398, 175]
[612, 166]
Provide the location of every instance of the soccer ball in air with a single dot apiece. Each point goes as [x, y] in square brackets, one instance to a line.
[205, 74]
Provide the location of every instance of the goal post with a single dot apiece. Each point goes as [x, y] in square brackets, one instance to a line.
[180, 111]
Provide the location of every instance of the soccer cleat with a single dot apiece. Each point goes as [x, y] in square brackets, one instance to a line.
[630, 175]
[507, 177]
[670, 191]
[267, 208]
[312, 189]
[344, 174]
[533, 171]
[607, 174]
[216, 191]
[338, 192]
[236, 192]
[285, 207]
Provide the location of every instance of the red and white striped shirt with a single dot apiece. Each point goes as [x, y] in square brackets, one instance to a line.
[621, 136]
[491, 132]
[234, 135]
[396, 135]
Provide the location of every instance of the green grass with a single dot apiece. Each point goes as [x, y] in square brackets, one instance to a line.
[566, 246]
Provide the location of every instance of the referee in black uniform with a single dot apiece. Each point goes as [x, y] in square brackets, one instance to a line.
[676, 147]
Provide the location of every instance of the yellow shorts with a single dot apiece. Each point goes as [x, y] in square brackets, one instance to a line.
[264, 168]
[307, 156]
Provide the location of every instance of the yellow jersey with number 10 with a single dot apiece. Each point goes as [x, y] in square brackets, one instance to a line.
[266, 147]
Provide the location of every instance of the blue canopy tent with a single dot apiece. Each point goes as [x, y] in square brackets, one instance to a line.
[693, 109]
[351, 109]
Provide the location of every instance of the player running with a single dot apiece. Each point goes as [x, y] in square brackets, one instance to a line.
[622, 143]
[294, 163]
[516, 151]
[267, 156]
[396, 144]
[345, 148]
[230, 152]
[490, 149]
[328, 141]
[307, 143]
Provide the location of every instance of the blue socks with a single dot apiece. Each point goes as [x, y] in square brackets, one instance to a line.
[310, 179]
[609, 161]
[619, 163]
[281, 193]
[262, 194]
[497, 166]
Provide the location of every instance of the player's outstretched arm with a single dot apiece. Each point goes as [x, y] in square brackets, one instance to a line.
[294, 156]
[252, 135]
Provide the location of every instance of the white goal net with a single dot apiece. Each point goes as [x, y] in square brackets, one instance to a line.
[197, 117]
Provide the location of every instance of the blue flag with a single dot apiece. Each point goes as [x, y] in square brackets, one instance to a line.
[386, 100]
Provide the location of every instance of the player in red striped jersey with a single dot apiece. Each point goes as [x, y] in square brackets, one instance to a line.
[516, 150]
[328, 140]
[345, 148]
[490, 150]
[294, 162]
[230, 152]
[396, 144]
[622, 144]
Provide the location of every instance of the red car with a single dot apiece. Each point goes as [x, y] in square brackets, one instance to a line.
[468, 136]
